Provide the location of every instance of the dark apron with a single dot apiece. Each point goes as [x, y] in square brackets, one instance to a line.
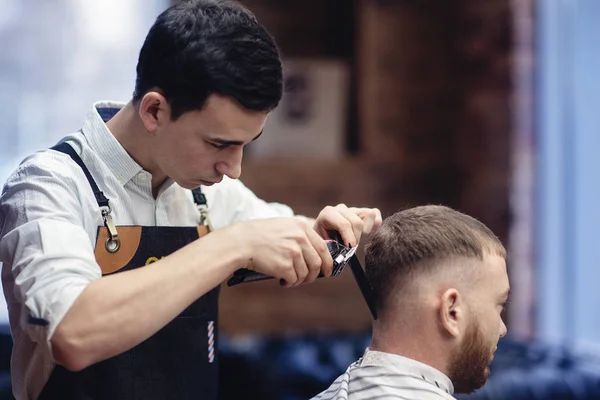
[179, 361]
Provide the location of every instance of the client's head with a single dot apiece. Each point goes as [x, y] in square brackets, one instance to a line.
[440, 284]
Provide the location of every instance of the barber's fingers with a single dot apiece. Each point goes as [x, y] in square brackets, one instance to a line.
[351, 237]
[317, 256]
[300, 267]
[340, 219]
[371, 218]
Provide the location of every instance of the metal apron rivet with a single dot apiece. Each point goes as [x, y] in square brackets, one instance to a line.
[112, 245]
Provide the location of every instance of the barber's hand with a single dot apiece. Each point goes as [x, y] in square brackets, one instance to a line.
[288, 249]
[351, 223]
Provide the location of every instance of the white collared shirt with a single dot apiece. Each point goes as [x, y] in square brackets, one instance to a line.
[48, 225]
[379, 375]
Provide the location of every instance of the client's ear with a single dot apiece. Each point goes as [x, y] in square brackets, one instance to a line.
[451, 312]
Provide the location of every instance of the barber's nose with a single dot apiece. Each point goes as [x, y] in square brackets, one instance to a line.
[232, 166]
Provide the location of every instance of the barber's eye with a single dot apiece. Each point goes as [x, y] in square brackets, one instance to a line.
[218, 145]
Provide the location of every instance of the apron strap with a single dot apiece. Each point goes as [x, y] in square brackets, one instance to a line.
[70, 151]
[199, 197]
[113, 243]
[201, 204]
[103, 202]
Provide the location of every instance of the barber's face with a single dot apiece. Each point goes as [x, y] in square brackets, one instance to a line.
[200, 147]
[469, 367]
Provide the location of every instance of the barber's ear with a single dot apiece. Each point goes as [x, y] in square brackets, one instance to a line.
[154, 110]
[451, 312]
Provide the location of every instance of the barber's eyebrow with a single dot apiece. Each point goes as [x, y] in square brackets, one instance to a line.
[225, 142]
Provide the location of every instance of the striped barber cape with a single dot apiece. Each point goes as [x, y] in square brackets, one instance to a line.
[383, 376]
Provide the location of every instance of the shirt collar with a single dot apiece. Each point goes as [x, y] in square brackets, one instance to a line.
[394, 361]
[105, 145]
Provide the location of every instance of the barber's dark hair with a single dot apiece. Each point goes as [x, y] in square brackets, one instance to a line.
[414, 240]
[196, 48]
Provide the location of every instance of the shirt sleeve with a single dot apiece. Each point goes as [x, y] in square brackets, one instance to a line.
[47, 254]
[231, 201]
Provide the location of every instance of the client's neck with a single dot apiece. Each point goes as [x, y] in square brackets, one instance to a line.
[412, 338]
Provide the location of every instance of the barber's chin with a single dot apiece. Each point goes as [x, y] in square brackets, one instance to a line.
[194, 184]
[188, 185]
[207, 183]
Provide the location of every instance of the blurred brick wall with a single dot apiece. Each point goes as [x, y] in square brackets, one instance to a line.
[433, 84]
[483, 136]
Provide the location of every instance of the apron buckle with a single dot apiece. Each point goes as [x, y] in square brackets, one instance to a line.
[204, 220]
[113, 243]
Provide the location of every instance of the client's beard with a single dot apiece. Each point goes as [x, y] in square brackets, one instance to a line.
[469, 365]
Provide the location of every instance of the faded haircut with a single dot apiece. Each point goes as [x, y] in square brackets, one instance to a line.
[413, 240]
